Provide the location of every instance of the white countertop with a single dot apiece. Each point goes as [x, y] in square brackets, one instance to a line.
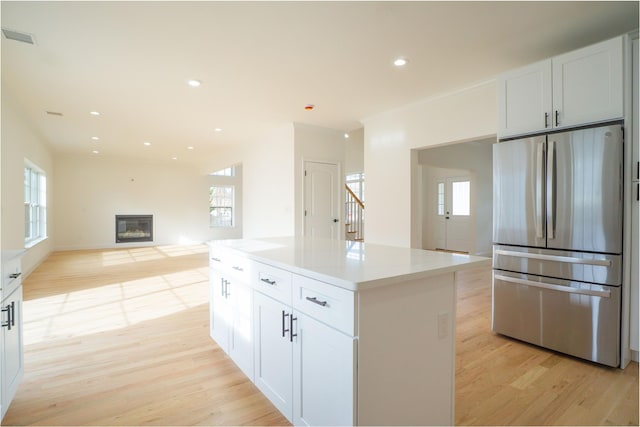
[348, 264]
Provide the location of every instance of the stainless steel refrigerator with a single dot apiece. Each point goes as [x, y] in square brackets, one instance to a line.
[557, 232]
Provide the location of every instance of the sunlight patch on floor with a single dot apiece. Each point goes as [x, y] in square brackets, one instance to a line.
[125, 256]
[113, 306]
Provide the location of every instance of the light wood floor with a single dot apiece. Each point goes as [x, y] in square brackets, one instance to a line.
[120, 337]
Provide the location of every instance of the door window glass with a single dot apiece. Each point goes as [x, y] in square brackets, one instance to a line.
[460, 198]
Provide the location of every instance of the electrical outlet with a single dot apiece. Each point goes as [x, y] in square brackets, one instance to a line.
[443, 325]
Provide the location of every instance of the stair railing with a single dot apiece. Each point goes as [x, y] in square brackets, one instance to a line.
[354, 216]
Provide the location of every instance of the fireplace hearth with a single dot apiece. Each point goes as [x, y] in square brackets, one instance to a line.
[134, 228]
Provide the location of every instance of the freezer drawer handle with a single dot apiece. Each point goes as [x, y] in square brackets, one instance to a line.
[570, 290]
[571, 260]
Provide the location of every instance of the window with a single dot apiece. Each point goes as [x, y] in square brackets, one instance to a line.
[461, 200]
[225, 172]
[355, 182]
[35, 205]
[221, 206]
[441, 198]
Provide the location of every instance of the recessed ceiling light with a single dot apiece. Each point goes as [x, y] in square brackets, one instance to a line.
[194, 83]
[95, 152]
[346, 136]
[95, 138]
[218, 129]
[147, 143]
[174, 158]
[94, 113]
[190, 148]
[400, 62]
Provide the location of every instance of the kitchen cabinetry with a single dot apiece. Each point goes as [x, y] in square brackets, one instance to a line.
[306, 367]
[12, 364]
[345, 334]
[231, 305]
[273, 352]
[635, 208]
[576, 88]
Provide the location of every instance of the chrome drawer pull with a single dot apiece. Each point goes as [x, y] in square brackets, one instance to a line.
[316, 301]
[215, 259]
[268, 282]
[15, 275]
[235, 267]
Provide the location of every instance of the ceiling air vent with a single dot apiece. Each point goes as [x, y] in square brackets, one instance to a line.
[54, 113]
[17, 36]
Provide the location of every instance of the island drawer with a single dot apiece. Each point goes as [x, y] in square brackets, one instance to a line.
[273, 282]
[327, 303]
[11, 276]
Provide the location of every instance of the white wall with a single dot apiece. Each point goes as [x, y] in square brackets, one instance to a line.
[20, 142]
[473, 156]
[313, 143]
[268, 185]
[354, 152]
[93, 189]
[390, 164]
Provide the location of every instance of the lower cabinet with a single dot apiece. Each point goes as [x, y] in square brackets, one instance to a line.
[231, 305]
[324, 361]
[13, 354]
[273, 351]
[303, 366]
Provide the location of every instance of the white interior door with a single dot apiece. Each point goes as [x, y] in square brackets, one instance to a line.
[453, 214]
[322, 200]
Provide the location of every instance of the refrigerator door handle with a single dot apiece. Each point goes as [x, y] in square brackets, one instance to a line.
[551, 190]
[557, 258]
[567, 289]
[539, 189]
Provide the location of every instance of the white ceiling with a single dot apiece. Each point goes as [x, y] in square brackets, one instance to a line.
[260, 63]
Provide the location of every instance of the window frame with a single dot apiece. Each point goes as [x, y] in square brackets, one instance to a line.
[35, 204]
[231, 208]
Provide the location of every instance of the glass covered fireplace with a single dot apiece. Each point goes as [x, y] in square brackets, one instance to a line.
[134, 228]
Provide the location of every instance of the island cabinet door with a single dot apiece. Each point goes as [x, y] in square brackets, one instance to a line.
[273, 352]
[219, 310]
[323, 374]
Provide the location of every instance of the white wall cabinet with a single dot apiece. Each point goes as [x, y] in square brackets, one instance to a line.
[576, 88]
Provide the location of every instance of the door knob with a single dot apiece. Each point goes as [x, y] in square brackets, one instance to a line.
[336, 220]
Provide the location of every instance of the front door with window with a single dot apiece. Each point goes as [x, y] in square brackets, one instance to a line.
[453, 214]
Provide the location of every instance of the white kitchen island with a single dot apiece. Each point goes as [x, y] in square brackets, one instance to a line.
[340, 332]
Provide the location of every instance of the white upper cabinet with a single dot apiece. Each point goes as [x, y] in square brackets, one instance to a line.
[524, 99]
[587, 84]
[579, 87]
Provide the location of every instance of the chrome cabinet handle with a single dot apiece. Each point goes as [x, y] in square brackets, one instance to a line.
[15, 275]
[284, 327]
[235, 267]
[215, 259]
[291, 334]
[11, 315]
[546, 119]
[268, 282]
[316, 301]
[557, 117]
